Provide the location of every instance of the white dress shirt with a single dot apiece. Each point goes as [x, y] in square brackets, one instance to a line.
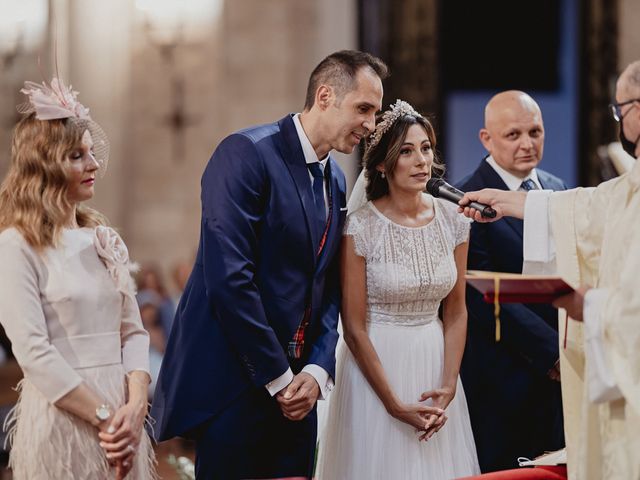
[311, 157]
[320, 374]
[513, 182]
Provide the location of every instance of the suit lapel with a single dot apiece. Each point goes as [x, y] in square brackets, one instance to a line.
[491, 179]
[545, 182]
[291, 151]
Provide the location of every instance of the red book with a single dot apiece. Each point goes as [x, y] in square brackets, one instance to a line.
[517, 288]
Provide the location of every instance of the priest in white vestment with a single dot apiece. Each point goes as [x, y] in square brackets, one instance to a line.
[591, 237]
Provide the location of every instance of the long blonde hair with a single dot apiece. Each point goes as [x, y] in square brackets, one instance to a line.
[33, 195]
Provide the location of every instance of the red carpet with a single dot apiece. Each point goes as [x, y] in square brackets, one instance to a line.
[536, 473]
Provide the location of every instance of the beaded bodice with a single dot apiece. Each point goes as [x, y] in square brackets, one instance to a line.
[409, 269]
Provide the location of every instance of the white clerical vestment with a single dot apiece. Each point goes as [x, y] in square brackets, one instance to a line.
[596, 236]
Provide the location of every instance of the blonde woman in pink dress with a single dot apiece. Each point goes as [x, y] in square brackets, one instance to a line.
[67, 304]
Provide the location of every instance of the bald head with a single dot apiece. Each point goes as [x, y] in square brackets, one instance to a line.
[513, 132]
[628, 100]
[628, 85]
[511, 103]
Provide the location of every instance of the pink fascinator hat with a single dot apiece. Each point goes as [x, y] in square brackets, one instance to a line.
[56, 101]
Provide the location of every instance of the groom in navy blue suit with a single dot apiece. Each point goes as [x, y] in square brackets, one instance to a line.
[252, 346]
[512, 386]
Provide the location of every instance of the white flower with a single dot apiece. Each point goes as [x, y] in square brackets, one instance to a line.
[113, 252]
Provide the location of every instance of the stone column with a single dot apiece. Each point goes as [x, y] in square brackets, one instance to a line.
[252, 68]
[94, 48]
[628, 32]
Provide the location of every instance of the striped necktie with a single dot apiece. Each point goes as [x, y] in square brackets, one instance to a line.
[528, 184]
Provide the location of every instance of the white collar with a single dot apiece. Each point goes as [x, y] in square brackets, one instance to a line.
[307, 149]
[512, 182]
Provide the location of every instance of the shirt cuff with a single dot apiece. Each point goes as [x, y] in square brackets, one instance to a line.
[601, 383]
[274, 386]
[322, 377]
[538, 246]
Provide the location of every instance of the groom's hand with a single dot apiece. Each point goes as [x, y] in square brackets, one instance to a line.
[298, 398]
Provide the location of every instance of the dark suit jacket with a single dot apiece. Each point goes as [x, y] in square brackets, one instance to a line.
[515, 408]
[256, 270]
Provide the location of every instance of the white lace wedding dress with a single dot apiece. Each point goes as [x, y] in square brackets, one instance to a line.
[409, 271]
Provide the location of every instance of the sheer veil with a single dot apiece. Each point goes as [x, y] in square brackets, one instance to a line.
[358, 197]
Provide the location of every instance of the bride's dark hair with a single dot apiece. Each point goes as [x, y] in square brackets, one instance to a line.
[387, 151]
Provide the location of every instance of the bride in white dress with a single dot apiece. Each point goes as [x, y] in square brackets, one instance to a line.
[398, 410]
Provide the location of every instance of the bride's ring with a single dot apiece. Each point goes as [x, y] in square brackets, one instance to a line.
[130, 448]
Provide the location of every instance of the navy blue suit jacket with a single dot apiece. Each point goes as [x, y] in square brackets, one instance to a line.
[256, 269]
[515, 408]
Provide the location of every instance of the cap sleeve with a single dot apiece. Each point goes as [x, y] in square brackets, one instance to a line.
[355, 227]
[457, 224]
[463, 226]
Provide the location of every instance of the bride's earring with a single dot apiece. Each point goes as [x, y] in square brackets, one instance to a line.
[382, 174]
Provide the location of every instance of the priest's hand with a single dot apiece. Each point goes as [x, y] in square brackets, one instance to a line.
[298, 398]
[505, 203]
[573, 303]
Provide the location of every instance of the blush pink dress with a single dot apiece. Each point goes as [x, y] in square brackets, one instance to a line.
[71, 315]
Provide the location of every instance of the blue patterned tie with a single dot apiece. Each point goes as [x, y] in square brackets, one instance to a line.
[317, 170]
[528, 184]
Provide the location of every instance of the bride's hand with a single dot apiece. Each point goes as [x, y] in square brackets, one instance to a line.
[421, 417]
[441, 398]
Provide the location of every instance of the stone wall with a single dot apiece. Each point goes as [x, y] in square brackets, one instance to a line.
[629, 32]
[251, 67]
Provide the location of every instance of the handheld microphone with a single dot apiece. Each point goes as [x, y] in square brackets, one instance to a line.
[441, 189]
